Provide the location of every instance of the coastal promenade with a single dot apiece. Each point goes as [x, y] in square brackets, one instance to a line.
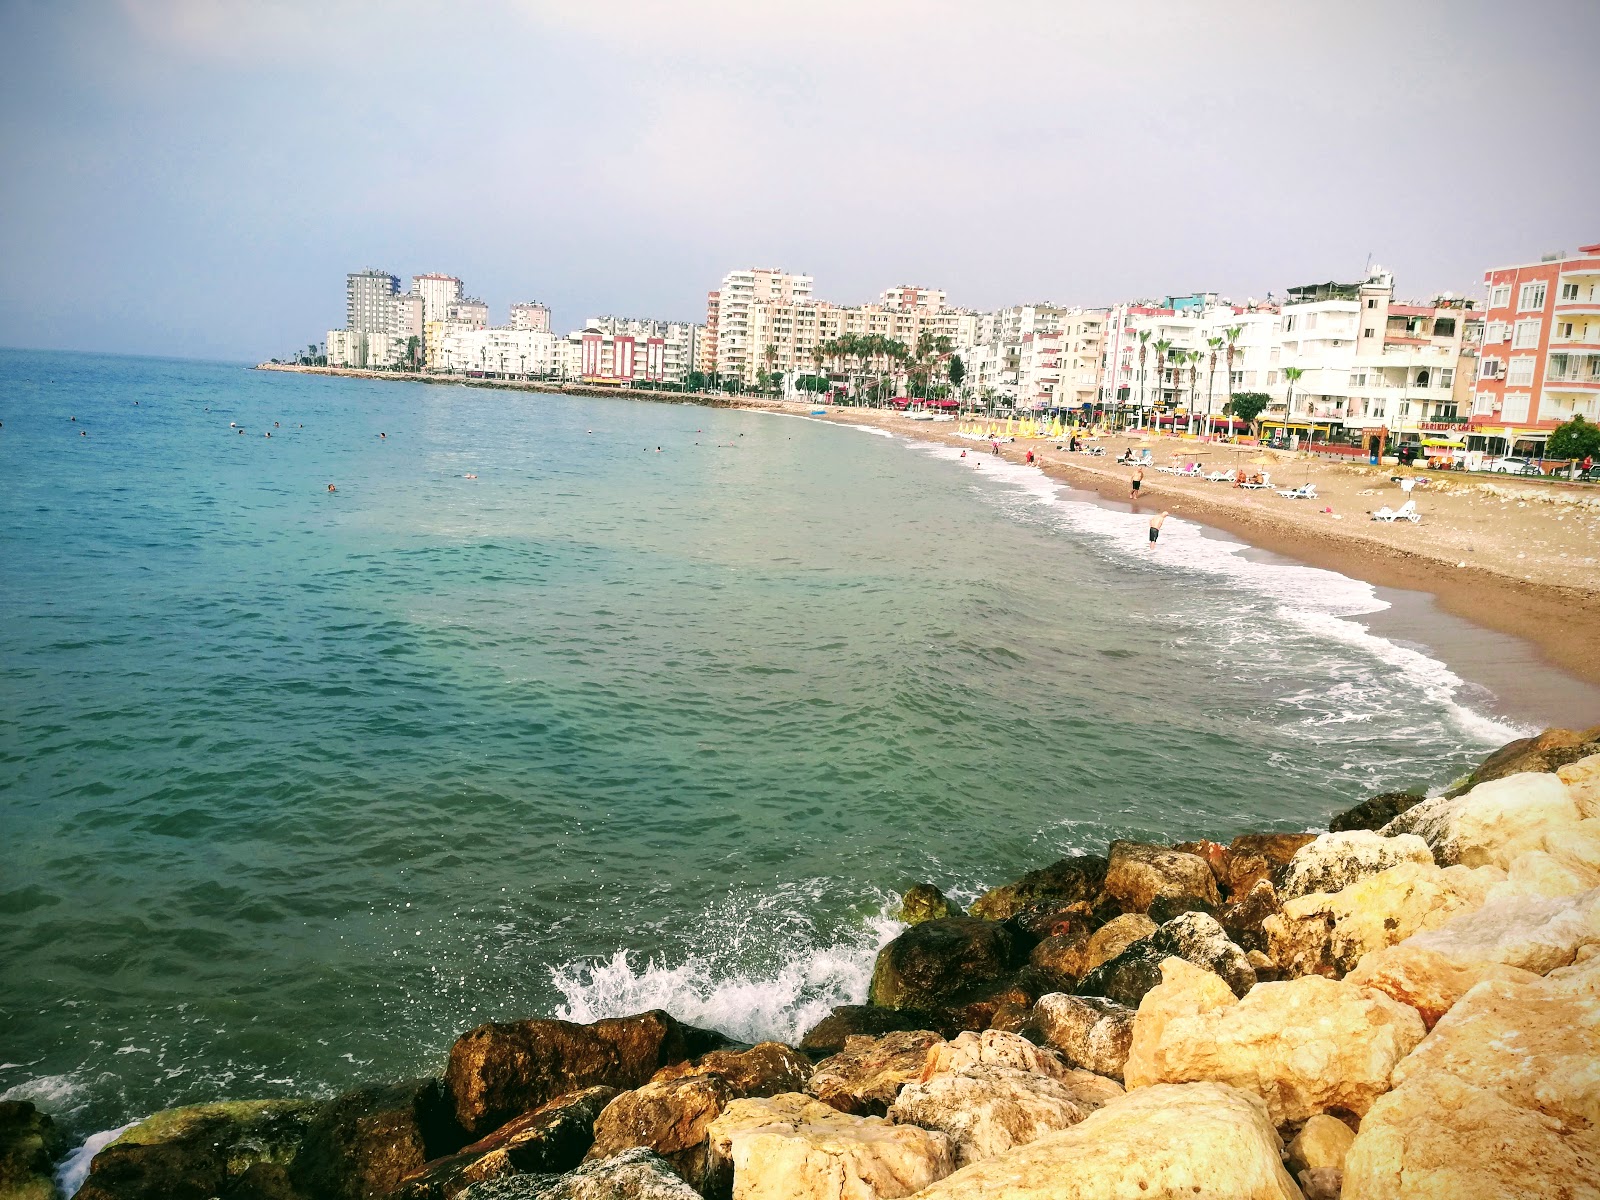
[1508, 554]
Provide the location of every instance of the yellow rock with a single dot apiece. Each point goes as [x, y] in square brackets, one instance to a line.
[994, 1048]
[1304, 1045]
[1495, 822]
[856, 1158]
[1320, 1144]
[1427, 980]
[1201, 1140]
[1583, 781]
[1540, 873]
[1536, 933]
[988, 1110]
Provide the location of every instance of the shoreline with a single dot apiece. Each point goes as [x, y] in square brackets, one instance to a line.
[1556, 613]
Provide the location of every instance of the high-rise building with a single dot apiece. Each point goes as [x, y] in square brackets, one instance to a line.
[367, 298]
[438, 292]
[707, 361]
[530, 315]
[468, 311]
[662, 351]
[741, 291]
[406, 323]
[1540, 364]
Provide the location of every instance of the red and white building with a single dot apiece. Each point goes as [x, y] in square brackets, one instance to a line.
[1540, 364]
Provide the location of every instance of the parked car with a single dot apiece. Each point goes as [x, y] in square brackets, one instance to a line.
[1512, 466]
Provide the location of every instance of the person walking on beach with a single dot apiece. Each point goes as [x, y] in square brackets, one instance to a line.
[996, 445]
[1136, 483]
[1155, 526]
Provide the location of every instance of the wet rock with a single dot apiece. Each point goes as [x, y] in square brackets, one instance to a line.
[1199, 1139]
[1089, 1032]
[1548, 751]
[1334, 861]
[1305, 1046]
[1494, 822]
[1498, 1102]
[671, 1117]
[1323, 934]
[1194, 936]
[924, 902]
[498, 1071]
[829, 1035]
[1216, 856]
[866, 1076]
[1051, 918]
[986, 1110]
[29, 1145]
[1243, 915]
[1056, 960]
[1158, 881]
[1375, 812]
[977, 1007]
[551, 1139]
[1256, 856]
[369, 1140]
[1071, 879]
[927, 963]
[1011, 1017]
[765, 1069]
[1063, 962]
[633, 1175]
[197, 1152]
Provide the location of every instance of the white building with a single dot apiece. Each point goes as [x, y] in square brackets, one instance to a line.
[730, 311]
[530, 315]
[500, 351]
[438, 292]
[346, 348]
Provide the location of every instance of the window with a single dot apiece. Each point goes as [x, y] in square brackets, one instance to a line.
[1444, 327]
[1372, 304]
[1272, 378]
[1378, 407]
[1288, 324]
[1367, 332]
[1489, 368]
[1500, 296]
[1494, 332]
[1405, 408]
[1531, 298]
[1520, 373]
[1311, 320]
[1424, 377]
[1526, 335]
[1447, 377]
[1564, 329]
[1515, 407]
[1569, 291]
[1358, 379]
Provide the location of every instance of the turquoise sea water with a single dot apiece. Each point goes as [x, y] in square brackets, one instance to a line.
[297, 786]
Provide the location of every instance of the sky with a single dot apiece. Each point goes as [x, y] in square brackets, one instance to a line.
[195, 177]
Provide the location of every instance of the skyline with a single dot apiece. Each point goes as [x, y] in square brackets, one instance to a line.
[188, 177]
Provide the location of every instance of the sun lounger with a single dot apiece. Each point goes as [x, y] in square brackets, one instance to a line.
[1220, 477]
[1308, 492]
[1266, 482]
[1406, 512]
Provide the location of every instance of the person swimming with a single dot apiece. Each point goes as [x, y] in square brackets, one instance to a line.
[383, 435]
[331, 488]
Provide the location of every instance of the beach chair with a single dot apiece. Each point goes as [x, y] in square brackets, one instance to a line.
[1192, 471]
[1308, 492]
[1406, 512]
[1266, 482]
[1220, 477]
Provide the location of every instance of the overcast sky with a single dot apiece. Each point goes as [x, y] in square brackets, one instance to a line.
[195, 177]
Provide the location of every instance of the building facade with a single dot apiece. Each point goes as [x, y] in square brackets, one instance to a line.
[438, 292]
[367, 298]
[678, 341]
[530, 315]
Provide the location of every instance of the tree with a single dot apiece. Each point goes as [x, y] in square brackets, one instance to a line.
[1291, 376]
[956, 371]
[1247, 406]
[696, 381]
[1211, 379]
[1232, 332]
[1162, 347]
[1574, 440]
[1144, 337]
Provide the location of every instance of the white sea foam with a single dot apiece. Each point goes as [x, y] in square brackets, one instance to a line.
[74, 1169]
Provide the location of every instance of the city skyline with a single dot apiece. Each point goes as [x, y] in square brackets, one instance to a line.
[186, 175]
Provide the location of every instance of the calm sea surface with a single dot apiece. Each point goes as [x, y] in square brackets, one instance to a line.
[296, 786]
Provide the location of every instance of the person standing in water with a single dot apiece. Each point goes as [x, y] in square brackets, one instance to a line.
[1138, 482]
[1155, 526]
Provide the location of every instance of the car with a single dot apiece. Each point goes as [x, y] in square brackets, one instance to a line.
[1512, 466]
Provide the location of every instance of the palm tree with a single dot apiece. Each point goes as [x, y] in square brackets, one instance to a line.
[1232, 333]
[1291, 375]
[771, 355]
[1194, 367]
[1211, 380]
[1144, 336]
[1162, 347]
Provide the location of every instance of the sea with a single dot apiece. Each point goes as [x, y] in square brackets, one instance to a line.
[570, 706]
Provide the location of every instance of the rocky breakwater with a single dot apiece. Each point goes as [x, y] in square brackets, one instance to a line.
[1408, 1005]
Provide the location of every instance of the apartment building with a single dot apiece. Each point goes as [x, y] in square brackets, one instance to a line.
[367, 298]
[498, 351]
[707, 361]
[1413, 368]
[530, 315]
[467, 311]
[730, 311]
[679, 346]
[438, 292]
[1540, 362]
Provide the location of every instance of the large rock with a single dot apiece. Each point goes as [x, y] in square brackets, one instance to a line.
[986, 1110]
[1193, 936]
[1196, 1140]
[670, 1117]
[785, 1112]
[924, 902]
[1535, 933]
[1425, 979]
[1321, 1144]
[199, 1151]
[928, 963]
[1218, 857]
[1493, 823]
[1159, 881]
[866, 1076]
[1583, 781]
[29, 1146]
[829, 1035]
[1244, 915]
[551, 1139]
[838, 1158]
[1071, 879]
[1375, 812]
[765, 1069]
[1548, 751]
[1305, 1046]
[1088, 1031]
[369, 1140]
[992, 1048]
[1539, 873]
[1501, 1100]
[498, 1071]
[1326, 934]
[1051, 919]
[1254, 857]
[1334, 861]
[633, 1175]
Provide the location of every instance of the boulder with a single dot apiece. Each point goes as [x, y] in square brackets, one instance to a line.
[1112, 938]
[498, 1071]
[1548, 751]
[1075, 878]
[866, 1076]
[829, 1035]
[670, 1117]
[785, 1111]
[199, 1151]
[765, 1069]
[1194, 936]
[986, 1110]
[1244, 914]
[1583, 781]
[1217, 857]
[1305, 1045]
[842, 1158]
[1535, 933]
[1500, 1101]
[1539, 873]
[1253, 857]
[1089, 1032]
[1425, 979]
[929, 962]
[977, 1005]
[1198, 1140]
[992, 1048]
[29, 1145]
[1334, 861]
[1326, 934]
[1056, 960]
[1322, 1183]
[1493, 823]
[1322, 1143]
[924, 902]
[1051, 918]
[1158, 881]
[551, 1139]
[1375, 812]
[633, 1175]
[369, 1140]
